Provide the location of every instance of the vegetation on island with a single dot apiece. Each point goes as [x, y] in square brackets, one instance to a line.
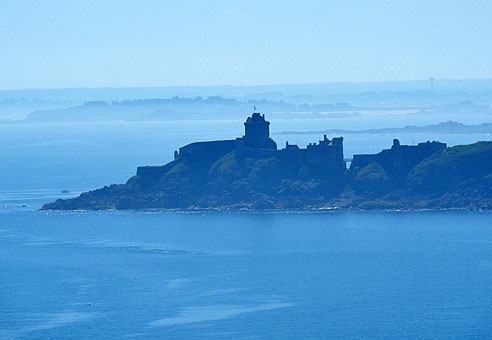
[458, 177]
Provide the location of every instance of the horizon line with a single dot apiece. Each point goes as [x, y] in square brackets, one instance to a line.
[239, 86]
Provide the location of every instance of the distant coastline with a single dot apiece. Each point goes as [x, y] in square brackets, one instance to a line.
[331, 100]
[444, 128]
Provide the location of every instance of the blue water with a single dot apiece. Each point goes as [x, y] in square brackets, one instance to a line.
[347, 275]
[223, 275]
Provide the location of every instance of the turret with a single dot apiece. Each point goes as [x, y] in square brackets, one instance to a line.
[257, 132]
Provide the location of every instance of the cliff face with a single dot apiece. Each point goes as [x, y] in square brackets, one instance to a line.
[454, 178]
[457, 177]
[234, 181]
[398, 161]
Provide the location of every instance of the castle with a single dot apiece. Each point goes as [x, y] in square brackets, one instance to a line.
[257, 142]
[250, 172]
[326, 155]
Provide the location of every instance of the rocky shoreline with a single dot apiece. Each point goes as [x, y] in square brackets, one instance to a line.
[457, 178]
[250, 172]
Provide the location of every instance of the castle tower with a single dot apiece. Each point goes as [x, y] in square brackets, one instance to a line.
[257, 132]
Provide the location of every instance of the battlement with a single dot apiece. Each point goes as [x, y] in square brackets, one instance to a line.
[256, 118]
[431, 146]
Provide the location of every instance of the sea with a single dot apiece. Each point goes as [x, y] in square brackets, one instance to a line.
[225, 275]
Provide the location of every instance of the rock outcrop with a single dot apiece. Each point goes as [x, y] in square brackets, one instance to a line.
[244, 174]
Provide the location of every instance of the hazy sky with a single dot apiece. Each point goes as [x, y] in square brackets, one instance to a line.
[46, 44]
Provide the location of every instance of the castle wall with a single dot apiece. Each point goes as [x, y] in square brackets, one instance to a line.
[327, 154]
[402, 157]
[206, 150]
[293, 154]
[255, 152]
[154, 171]
[322, 156]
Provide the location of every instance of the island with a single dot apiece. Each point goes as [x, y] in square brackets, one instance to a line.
[250, 172]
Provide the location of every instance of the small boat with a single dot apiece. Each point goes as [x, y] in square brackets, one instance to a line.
[65, 191]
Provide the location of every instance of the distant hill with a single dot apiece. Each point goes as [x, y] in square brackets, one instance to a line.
[445, 128]
[15, 104]
[177, 108]
[199, 108]
[449, 86]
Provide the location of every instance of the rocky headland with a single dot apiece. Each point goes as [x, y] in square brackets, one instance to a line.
[251, 173]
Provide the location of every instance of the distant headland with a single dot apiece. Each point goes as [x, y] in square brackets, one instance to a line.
[250, 172]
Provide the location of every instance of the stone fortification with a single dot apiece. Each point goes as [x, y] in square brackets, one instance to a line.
[327, 154]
